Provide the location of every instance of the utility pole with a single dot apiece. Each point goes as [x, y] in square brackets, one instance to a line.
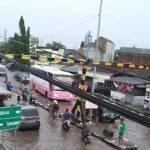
[97, 42]
[5, 41]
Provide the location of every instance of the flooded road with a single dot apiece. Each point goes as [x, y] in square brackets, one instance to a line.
[50, 135]
[137, 133]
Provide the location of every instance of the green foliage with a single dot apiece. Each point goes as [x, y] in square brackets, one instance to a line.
[19, 43]
[82, 45]
[55, 45]
[116, 56]
[22, 27]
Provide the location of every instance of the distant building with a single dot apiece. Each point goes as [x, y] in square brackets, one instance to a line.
[88, 38]
[74, 54]
[133, 55]
[128, 88]
[34, 41]
[106, 50]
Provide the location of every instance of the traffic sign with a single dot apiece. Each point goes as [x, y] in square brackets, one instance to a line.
[10, 117]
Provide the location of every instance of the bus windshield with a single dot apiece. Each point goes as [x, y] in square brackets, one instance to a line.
[63, 78]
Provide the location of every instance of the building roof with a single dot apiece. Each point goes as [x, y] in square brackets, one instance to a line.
[68, 52]
[128, 78]
[74, 53]
[134, 50]
[71, 69]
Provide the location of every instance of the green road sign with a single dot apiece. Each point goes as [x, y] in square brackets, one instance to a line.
[10, 117]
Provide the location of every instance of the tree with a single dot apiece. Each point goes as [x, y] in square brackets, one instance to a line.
[49, 45]
[27, 50]
[116, 56]
[55, 45]
[19, 43]
[82, 45]
[22, 27]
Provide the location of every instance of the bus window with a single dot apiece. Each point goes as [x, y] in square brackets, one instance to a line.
[66, 79]
[57, 88]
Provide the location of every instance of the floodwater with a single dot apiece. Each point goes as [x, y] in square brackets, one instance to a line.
[51, 136]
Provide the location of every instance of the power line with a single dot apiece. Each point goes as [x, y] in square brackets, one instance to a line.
[14, 40]
[77, 25]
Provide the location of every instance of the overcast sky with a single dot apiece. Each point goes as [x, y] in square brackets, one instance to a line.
[125, 22]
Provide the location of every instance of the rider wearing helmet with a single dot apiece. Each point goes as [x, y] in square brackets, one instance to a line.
[55, 107]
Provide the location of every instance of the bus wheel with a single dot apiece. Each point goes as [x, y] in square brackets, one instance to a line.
[45, 93]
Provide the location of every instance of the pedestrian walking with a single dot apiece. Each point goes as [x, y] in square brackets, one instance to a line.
[19, 95]
[122, 129]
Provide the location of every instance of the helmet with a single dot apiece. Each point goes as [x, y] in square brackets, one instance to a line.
[55, 101]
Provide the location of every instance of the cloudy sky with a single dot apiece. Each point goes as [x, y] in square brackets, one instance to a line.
[126, 22]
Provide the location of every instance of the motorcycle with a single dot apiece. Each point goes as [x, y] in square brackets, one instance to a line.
[55, 115]
[86, 137]
[32, 101]
[66, 125]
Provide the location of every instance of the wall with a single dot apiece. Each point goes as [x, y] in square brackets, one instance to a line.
[128, 97]
[133, 58]
[138, 101]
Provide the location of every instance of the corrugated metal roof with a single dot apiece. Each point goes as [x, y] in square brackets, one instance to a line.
[134, 50]
[129, 80]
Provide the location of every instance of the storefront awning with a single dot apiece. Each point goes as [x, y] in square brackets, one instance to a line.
[4, 92]
[89, 105]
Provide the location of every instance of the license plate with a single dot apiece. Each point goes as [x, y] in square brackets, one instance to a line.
[31, 121]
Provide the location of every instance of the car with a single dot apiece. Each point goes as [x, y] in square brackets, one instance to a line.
[109, 117]
[3, 71]
[30, 118]
[21, 77]
[11, 66]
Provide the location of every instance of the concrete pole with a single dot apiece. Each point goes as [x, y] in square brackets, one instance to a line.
[96, 50]
[5, 35]
[97, 42]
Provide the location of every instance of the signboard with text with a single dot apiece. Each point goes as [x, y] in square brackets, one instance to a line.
[10, 117]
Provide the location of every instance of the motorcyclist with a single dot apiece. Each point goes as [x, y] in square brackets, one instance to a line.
[33, 98]
[25, 94]
[54, 108]
[86, 133]
[66, 118]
